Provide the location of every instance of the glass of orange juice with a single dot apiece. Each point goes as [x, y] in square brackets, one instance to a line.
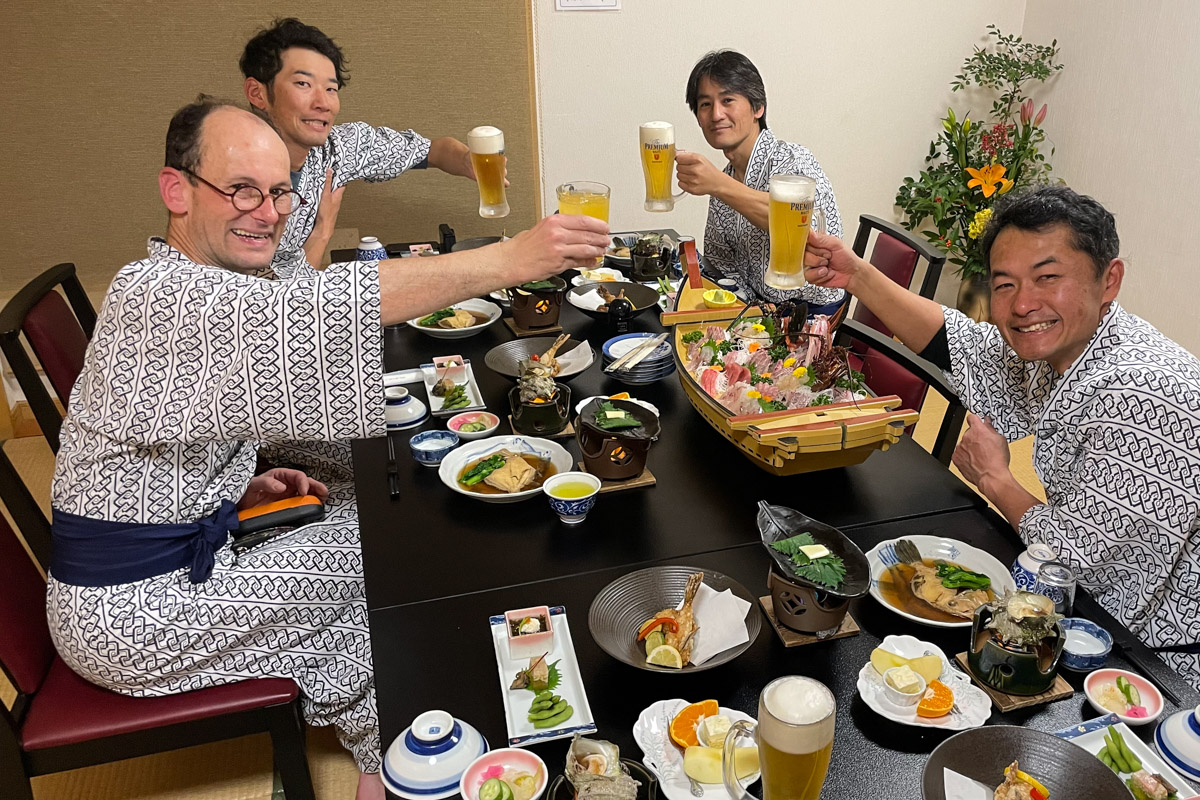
[584, 197]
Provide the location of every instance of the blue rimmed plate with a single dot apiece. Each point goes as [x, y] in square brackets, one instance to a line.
[517, 701]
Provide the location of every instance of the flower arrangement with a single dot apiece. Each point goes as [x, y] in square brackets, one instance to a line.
[972, 164]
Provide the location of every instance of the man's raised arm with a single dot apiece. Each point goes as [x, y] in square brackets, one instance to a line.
[413, 287]
[913, 319]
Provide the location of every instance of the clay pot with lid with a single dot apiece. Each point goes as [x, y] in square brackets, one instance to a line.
[620, 453]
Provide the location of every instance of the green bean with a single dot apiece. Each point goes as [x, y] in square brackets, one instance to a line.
[1114, 750]
[549, 712]
[1132, 761]
[558, 719]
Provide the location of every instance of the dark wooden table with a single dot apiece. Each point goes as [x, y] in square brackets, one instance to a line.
[872, 756]
[704, 499]
[437, 565]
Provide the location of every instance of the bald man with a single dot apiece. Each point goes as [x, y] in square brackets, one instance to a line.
[194, 363]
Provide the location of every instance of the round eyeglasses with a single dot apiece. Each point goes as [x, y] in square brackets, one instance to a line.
[248, 198]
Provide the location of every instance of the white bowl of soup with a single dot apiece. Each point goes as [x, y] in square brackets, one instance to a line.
[459, 320]
[524, 464]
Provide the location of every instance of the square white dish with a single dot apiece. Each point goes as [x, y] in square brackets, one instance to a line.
[1090, 736]
[517, 701]
[473, 396]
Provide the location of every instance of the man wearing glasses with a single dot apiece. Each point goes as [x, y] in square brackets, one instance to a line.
[294, 73]
[195, 362]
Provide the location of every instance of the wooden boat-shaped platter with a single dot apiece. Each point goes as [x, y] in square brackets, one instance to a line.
[782, 442]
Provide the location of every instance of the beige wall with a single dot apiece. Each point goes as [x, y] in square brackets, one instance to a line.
[862, 83]
[1125, 117]
[91, 86]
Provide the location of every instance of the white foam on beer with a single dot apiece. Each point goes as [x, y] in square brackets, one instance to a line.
[792, 188]
[663, 132]
[485, 140]
[796, 700]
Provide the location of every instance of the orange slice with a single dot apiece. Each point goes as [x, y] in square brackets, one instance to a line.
[619, 396]
[937, 700]
[683, 726]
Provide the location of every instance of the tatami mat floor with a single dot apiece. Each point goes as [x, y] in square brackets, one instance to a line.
[240, 769]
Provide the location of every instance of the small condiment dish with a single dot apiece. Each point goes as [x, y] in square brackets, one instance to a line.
[529, 645]
[467, 417]
[1152, 699]
[430, 447]
[899, 698]
[572, 510]
[493, 765]
[1088, 645]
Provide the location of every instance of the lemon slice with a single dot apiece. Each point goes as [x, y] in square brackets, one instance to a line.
[719, 298]
[665, 656]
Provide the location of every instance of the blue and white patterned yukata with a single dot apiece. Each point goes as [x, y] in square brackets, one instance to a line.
[1117, 447]
[190, 368]
[354, 151]
[735, 247]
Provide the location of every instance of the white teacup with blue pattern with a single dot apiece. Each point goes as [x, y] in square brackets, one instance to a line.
[572, 495]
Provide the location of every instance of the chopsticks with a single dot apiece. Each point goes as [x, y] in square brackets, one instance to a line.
[634, 356]
[393, 470]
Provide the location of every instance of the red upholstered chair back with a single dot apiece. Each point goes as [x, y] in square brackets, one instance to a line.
[58, 341]
[898, 261]
[885, 377]
[25, 647]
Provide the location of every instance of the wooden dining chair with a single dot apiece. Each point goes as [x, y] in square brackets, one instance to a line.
[58, 335]
[59, 721]
[889, 367]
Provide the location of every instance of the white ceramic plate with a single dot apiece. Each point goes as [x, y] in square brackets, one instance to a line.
[467, 376]
[973, 705]
[599, 274]
[464, 454]
[492, 311]
[1090, 736]
[972, 558]
[579, 406]
[517, 701]
[664, 758]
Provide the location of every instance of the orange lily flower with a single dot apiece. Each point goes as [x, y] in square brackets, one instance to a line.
[987, 179]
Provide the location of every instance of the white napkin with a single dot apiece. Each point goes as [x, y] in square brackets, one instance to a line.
[722, 620]
[960, 787]
[590, 301]
[575, 359]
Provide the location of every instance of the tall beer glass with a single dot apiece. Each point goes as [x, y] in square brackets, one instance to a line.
[789, 216]
[657, 141]
[794, 735]
[487, 158]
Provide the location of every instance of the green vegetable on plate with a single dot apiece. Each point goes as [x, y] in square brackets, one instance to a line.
[954, 577]
[828, 570]
[481, 470]
[435, 317]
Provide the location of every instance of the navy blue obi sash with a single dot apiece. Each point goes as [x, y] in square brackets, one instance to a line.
[95, 552]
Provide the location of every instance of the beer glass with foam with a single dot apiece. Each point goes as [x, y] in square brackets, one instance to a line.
[487, 158]
[789, 216]
[794, 736]
[658, 164]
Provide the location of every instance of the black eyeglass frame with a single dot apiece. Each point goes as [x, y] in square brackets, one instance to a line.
[245, 190]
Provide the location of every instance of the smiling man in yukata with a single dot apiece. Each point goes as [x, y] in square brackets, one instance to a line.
[293, 75]
[195, 362]
[727, 95]
[1112, 404]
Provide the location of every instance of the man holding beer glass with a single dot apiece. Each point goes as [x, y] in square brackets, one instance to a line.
[726, 93]
[293, 75]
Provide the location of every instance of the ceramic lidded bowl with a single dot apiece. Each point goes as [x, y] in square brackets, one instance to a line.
[427, 760]
[537, 308]
[1178, 742]
[619, 453]
[401, 410]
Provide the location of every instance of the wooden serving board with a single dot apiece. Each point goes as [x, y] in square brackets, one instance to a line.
[521, 333]
[1059, 690]
[565, 432]
[645, 479]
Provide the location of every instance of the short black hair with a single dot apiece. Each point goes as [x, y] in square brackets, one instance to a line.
[734, 73]
[263, 57]
[183, 134]
[1093, 228]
